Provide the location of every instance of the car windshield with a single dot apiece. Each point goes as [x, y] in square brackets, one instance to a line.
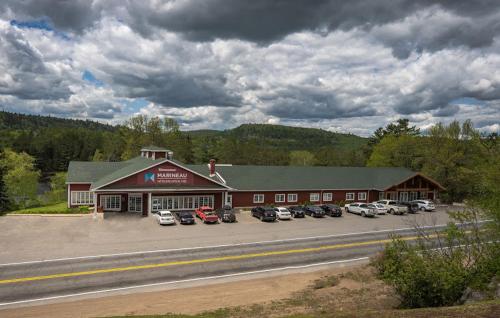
[315, 208]
[372, 206]
[165, 214]
[269, 210]
[186, 215]
[363, 205]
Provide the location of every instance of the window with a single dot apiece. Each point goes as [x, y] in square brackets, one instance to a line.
[381, 195]
[349, 196]
[181, 203]
[292, 197]
[279, 197]
[314, 197]
[413, 195]
[111, 202]
[82, 198]
[328, 196]
[258, 198]
[135, 202]
[361, 196]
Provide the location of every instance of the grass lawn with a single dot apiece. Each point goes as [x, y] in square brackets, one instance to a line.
[58, 208]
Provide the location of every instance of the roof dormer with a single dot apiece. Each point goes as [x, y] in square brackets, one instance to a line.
[154, 153]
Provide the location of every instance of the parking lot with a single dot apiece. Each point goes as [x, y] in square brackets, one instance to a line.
[28, 238]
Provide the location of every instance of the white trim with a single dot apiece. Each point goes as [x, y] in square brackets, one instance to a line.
[314, 193]
[288, 197]
[157, 164]
[328, 199]
[135, 195]
[280, 194]
[150, 198]
[304, 190]
[353, 196]
[68, 194]
[103, 200]
[159, 190]
[220, 177]
[365, 198]
[259, 194]
[74, 197]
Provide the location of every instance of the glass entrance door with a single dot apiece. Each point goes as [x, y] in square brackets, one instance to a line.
[403, 196]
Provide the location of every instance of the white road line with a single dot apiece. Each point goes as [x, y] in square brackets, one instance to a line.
[217, 246]
[185, 281]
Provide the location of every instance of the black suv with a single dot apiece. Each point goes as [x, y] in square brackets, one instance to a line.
[226, 214]
[314, 211]
[264, 213]
[297, 211]
[185, 217]
[332, 209]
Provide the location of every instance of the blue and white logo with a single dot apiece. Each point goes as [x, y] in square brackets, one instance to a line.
[149, 177]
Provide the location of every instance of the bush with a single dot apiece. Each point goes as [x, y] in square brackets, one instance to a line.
[427, 280]
[83, 208]
[441, 266]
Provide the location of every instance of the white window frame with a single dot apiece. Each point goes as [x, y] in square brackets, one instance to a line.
[133, 205]
[349, 196]
[279, 197]
[292, 197]
[108, 198]
[181, 203]
[82, 198]
[362, 196]
[314, 197]
[258, 198]
[327, 196]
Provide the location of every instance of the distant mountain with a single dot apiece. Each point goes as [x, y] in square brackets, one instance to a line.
[286, 137]
[15, 121]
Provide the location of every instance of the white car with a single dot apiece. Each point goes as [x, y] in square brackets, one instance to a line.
[360, 208]
[165, 217]
[379, 208]
[283, 213]
[393, 207]
[425, 205]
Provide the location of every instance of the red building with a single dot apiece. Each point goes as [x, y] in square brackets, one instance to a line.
[156, 181]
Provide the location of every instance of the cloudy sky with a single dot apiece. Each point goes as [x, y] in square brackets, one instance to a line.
[348, 66]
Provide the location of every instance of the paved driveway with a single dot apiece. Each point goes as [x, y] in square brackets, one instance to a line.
[29, 238]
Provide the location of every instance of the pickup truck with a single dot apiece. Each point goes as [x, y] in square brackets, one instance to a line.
[393, 207]
[207, 214]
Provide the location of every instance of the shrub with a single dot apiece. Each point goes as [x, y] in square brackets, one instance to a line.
[83, 208]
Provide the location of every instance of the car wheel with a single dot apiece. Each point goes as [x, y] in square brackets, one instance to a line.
[363, 214]
[391, 211]
[422, 209]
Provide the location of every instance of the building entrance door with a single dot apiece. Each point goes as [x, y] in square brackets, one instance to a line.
[229, 200]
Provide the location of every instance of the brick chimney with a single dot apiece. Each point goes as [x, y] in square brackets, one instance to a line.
[211, 167]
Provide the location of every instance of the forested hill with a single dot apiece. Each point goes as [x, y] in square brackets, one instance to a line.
[53, 142]
[21, 121]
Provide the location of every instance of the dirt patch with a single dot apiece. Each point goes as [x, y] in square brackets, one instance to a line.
[334, 290]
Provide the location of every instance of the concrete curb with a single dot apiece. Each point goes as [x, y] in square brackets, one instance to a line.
[50, 215]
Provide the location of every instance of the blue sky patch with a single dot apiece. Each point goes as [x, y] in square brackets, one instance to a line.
[467, 101]
[89, 77]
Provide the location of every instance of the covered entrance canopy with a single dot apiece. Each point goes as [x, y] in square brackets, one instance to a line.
[161, 185]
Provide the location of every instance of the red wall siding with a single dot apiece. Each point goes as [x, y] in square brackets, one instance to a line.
[245, 199]
[79, 187]
[138, 178]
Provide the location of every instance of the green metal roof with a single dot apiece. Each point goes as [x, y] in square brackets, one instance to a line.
[251, 177]
[307, 178]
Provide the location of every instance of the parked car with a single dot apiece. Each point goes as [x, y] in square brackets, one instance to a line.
[411, 207]
[226, 214]
[264, 213]
[165, 217]
[314, 211]
[297, 211]
[332, 209]
[283, 214]
[185, 217]
[425, 205]
[360, 208]
[393, 207]
[379, 208]
[207, 214]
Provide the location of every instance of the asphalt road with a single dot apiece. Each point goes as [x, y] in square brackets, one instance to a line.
[44, 279]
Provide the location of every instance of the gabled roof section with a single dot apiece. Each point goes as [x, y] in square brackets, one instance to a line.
[307, 178]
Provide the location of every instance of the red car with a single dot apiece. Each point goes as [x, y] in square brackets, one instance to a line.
[207, 214]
